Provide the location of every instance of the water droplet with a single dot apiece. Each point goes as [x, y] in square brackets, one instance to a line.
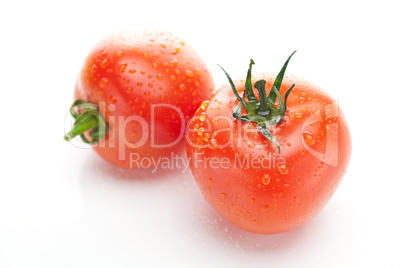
[286, 185]
[309, 138]
[212, 144]
[174, 62]
[282, 169]
[112, 99]
[122, 67]
[104, 63]
[223, 195]
[150, 85]
[197, 84]
[118, 53]
[196, 126]
[129, 90]
[251, 145]
[198, 71]
[132, 71]
[147, 93]
[264, 207]
[211, 181]
[206, 136]
[159, 77]
[266, 179]
[301, 152]
[182, 87]
[173, 77]
[298, 115]
[252, 200]
[203, 116]
[204, 104]
[93, 68]
[189, 73]
[103, 82]
[139, 84]
[200, 131]
[155, 65]
[175, 51]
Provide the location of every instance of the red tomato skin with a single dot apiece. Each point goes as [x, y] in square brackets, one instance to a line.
[291, 188]
[126, 74]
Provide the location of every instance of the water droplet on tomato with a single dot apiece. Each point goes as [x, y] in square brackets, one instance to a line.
[155, 65]
[266, 179]
[103, 82]
[203, 116]
[212, 144]
[118, 53]
[298, 115]
[122, 67]
[182, 87]
[200, 131]
[223, 195]
[251, 145]
[93, 68]
[264, 207]
[173, 77]
[175, 51]
[132, 71]
[129, 90]
[189, 73]
[211, 181]
[309, 138]
[282, 169]
[150, 85]
[198, 71]
[301, 152]
[139, 84]
[196, 126]
[206, 136]
[159, 77]
[112, 99]
[204, 104]
[104, 63]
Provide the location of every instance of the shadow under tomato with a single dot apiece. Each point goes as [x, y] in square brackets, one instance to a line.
[206, 222]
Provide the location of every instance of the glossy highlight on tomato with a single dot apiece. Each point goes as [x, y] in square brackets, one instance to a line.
[263, 170]
[146, 85]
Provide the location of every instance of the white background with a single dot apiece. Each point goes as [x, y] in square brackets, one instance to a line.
[61, 206]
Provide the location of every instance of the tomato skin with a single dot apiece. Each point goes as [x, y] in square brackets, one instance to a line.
[126, 74]
[290, 188]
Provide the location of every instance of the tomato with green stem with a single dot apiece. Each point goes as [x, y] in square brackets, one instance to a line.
[268, 162]
[134, 95]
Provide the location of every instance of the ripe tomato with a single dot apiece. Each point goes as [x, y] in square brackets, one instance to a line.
[146, 86]
[270, 168]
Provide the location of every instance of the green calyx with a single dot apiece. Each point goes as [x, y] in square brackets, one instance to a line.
[87, 118]
[262, 111]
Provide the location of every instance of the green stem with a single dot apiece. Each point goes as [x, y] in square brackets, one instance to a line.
[262, 111]
[87, 118]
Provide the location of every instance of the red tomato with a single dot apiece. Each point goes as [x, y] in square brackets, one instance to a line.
[146, 85]
[266, 169]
